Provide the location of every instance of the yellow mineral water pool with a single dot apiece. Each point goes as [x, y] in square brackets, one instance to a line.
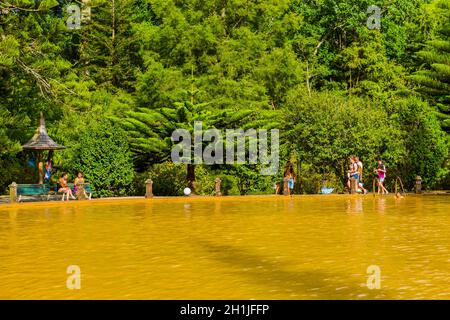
[273, 247]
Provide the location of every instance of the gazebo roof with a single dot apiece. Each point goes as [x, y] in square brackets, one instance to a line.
[41, 140]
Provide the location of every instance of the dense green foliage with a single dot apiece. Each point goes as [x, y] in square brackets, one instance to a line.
[102, 154]
[326, 128]
[115, 89]
[434, 79]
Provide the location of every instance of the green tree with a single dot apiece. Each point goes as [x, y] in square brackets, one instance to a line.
[105, 159]
[326, 129]
[433, 79]
[158, 65]
[108, 48]
[426, 145]
[150, 130]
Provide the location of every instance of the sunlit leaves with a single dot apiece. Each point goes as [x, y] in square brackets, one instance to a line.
[9, 49]
[47, 4]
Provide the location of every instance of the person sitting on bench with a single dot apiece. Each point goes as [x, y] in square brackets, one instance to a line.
[79, 180]
[64, 188]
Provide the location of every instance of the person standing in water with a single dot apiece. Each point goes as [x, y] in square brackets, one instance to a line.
[290, 175]
[360, 174]
[352, 173]
[381, 172]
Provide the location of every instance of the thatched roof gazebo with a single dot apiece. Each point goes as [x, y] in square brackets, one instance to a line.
[41, 142]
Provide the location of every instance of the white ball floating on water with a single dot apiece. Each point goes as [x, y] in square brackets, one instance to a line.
[187, 191]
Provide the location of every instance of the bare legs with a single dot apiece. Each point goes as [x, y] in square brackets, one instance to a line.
[362, 187]
[67, 192]
[381, 188]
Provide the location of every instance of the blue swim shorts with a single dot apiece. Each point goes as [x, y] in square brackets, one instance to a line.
[291, 183]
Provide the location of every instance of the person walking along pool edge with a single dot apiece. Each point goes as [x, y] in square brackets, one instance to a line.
[381, 172]
[359, 169]
[352, 173]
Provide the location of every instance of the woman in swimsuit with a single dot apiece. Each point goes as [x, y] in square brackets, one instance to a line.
[64, 187]
[79, 180]
[290, 175]
[381, 172]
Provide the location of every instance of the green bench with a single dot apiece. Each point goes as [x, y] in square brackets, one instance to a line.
[87, 189]
[44, 191]
[33, 190]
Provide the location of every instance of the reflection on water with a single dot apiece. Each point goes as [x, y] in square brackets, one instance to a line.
[381, 204]
[308, 247]
[355, 205]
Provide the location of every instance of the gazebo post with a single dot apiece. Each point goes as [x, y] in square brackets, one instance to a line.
[40, 167]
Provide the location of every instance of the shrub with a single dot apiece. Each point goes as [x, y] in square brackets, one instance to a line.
[104, 157]
[169, 179]
[204, 178]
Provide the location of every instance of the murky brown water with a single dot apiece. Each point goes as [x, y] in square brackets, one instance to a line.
[306, 247]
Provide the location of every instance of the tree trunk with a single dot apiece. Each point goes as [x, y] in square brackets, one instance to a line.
[308, 77]
[299, 168]
[114, 80]
[190, 176]
[41, 167]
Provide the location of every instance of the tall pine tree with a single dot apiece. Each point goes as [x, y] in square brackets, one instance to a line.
[434, 80]
[109, 51]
